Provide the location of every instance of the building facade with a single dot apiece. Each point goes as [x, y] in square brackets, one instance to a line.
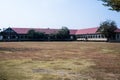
[90, 34]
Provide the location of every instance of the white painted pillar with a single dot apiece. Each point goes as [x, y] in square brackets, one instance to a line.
[92, 36]
[100, 35]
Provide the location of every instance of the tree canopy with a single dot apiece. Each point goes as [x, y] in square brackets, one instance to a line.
[113, 4]
[36, 35]
[64, 33]
[107, 28]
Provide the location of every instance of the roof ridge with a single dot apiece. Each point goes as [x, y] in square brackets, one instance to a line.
[88, 28]
[32, 28]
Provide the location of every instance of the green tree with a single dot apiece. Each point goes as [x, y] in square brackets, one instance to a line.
[113, 4]
[31, 33]
[53, 36]
[36, 35]
[107, 28]
[39, 35]
[64, 33]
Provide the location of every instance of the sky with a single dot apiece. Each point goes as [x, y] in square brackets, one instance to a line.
[74, 14]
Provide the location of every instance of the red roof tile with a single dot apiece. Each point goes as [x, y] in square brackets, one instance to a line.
[47, 31]
[87, 31]
[73, 31]
[21, 30]
[118, 30]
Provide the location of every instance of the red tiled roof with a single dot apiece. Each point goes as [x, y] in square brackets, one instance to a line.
[73, 31]
[118, 30]
[87, 31]
[47, 31]
[25, 30]
[21, 30]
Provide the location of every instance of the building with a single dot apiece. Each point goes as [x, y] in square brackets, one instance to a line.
[117, 35]
[21, 34]
[89, 34]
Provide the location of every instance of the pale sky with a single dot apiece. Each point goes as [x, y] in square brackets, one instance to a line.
[74, 14]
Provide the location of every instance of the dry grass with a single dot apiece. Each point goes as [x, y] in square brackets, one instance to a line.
[59, 61]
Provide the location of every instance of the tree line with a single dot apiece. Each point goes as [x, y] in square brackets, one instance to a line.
[62, 34]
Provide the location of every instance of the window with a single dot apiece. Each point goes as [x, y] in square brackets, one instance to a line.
[90, 36]
[99, 36]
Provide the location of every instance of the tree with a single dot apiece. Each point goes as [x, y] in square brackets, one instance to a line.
[53, 36]
[31, 33]
[36, 35]
[107, 28]
[64, 33]
[113, 4]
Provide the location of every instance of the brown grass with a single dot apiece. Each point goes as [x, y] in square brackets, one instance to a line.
[103, 57]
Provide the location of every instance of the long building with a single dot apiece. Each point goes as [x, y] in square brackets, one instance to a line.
[90, 34]
[21, 34]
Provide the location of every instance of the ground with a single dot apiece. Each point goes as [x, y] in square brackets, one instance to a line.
[59, 61]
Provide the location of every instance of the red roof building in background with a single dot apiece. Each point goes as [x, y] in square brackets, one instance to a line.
[49, 31]
[89, 33]
[25, 30]
[46, 31]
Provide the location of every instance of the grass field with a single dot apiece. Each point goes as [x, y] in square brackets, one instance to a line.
[59, 61]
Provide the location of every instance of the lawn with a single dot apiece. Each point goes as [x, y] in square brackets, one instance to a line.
[59, 61]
